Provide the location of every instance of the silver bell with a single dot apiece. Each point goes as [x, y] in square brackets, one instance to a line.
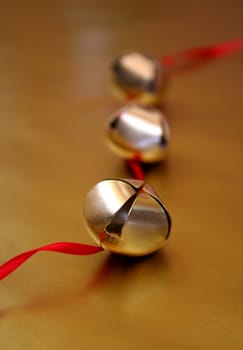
[126, 217]
[138, 77]
[138, 131]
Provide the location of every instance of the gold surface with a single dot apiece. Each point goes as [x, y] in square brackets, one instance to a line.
[54, 59]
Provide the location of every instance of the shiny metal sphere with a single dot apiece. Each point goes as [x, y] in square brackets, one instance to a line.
[126, 217]
[138, 77]
[138, 131]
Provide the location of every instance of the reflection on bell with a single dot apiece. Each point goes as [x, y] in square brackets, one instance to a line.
[139, 131]
[138, 77]
[126, 217]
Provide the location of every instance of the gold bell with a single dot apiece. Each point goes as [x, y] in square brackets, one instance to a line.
[138, 131]
[138, 77]
[126, 217]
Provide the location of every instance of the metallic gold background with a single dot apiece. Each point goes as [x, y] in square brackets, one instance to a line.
[54, 100]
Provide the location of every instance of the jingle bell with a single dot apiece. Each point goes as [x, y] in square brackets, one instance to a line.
[126, 217]
[138, 131]
[138, 77]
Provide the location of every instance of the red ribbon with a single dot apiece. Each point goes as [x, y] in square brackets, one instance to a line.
[201, 54]
[136, 168]
[58, 247]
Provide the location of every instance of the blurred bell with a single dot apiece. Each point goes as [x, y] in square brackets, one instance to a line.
[137, 77]
[126, 217]
[138, 131]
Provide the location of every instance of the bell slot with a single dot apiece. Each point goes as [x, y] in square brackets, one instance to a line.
[114, 228]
